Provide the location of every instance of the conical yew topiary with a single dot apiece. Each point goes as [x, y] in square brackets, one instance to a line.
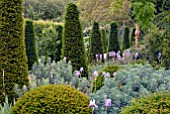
[73, 44]
[13, 60]
[113, 37]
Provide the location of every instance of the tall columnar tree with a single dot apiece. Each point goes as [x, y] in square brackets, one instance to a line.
[104, 41]
[13, 60]
[113, 37]
[96, 46]
[59, 46]
[126, 43]
[73, 44]
[30, 43]
[132, 36]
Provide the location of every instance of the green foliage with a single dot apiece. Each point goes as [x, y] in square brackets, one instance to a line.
[5, 108]
[49, 39]
[96, 46]
[144, 13]
[114, 42]
[157, 103]
[126, 43]
[52, 99]
[30, 43]
[59, 46]
[132, 36]
[131, 81]
[13, 58]
[99, 81]
[73, 44]
[104, 41]
[45, 9]
[47, 72]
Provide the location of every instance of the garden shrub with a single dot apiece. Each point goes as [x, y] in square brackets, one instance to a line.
[157, 103]
[53, 31]
[52, 99]
[96, 45]
[132, 81]
[13, 58]
[100, 79]
[73, 44]
[113, 41]
[30, 43]
[132, 41]
[126, 43]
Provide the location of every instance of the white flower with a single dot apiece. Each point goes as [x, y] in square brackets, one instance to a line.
[93, 104]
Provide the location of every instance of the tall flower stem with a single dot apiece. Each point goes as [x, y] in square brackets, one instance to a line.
[3, 81]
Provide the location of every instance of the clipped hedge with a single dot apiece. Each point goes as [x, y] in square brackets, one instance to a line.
[52, 99]
[30, 43]
[13, 58]
[157, 103]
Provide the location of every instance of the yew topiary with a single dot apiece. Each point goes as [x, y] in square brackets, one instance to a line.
[157, 103]
[52, 99]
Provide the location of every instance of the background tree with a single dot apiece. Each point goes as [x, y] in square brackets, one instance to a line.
[104, 40]
[96, 46]
[13, 58]
[30, 43]
[59, 46]
[126, 43]
[113, 37]
[73, 45]
[132, 36]
[45, 9]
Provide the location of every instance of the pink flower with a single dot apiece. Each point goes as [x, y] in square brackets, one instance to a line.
[108, 102]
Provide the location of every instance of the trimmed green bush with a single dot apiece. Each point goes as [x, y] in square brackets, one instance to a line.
[104, 41]
[113, 37]
[52, 99]
[30, 43]
[96, 46]
[157, 103]
[132, 36]
[60, 44]
[13, 58]
[73, 44]
[126, 43]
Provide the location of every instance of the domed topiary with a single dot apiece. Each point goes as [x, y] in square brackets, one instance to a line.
[158, 103]
[52, 99]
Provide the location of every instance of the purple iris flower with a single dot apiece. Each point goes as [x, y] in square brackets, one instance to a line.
[108, 102]
[136, 55]
[81, 69]
[159, 55]
[100, 56]
[119, 57]
[92, 104]
[78, 73]
[103, 73]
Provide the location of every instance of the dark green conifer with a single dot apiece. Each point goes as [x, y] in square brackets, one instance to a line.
[13, 60]
[96, 46]
[73, 46]
[113, 37]
[30, 43]
[126, 43]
